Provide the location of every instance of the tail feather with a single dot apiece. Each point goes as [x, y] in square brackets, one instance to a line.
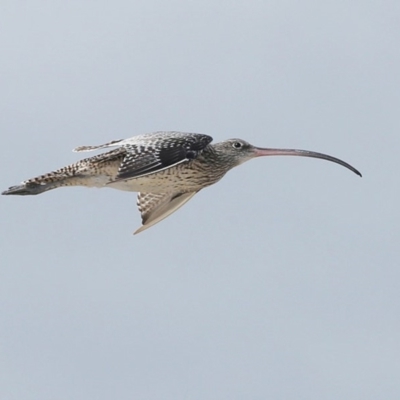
[29, 188]
[94, 171]
[41, 183]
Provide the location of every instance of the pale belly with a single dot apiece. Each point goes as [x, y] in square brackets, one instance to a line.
[184, 178]
[176, 180]
[162, 182]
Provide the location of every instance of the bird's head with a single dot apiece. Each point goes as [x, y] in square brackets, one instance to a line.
[238, 151]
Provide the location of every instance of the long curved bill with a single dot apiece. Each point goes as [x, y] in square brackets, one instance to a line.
[259, 152]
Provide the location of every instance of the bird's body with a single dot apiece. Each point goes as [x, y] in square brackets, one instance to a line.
[166, 168]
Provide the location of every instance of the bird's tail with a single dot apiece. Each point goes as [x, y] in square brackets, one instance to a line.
[40, 184]
[24, 190]
[66, 176]
[94, 171]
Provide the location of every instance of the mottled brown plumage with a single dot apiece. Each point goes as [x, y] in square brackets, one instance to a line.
[166, 168]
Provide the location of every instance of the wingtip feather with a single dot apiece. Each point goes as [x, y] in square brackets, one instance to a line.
[141, 229]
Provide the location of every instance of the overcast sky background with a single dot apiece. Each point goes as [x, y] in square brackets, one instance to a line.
[281, 281]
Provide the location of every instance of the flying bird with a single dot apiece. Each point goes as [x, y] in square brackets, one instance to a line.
[166, 169]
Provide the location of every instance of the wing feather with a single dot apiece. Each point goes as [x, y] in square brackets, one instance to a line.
[154, 207]
[147, 158]
[101, 146]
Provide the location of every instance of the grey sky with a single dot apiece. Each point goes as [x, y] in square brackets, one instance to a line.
[280, 282]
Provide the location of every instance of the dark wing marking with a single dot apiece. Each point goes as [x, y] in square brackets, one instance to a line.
[165, 153]
[154, 207]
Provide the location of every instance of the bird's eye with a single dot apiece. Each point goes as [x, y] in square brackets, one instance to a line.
[237, 145]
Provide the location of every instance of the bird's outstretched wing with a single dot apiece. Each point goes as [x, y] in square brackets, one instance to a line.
[145, 157]
[154, 207]
[154, 152]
